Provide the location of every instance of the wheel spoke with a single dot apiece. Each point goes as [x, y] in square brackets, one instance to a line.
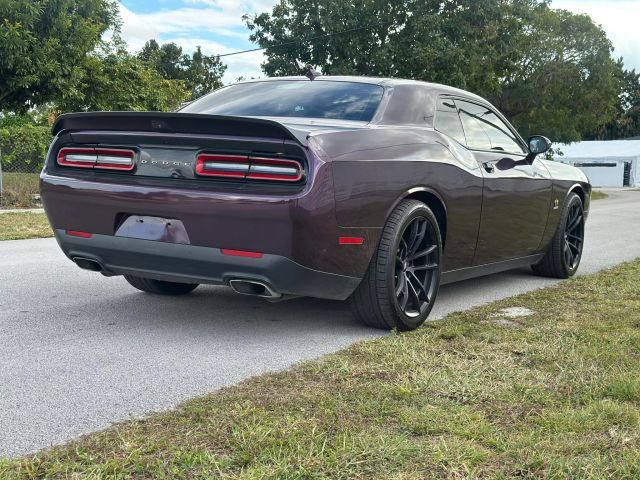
[575, 237]
[573, 213]
[568, 254]
[400, 284]
[420, 286]
[574, 224]
[422, 231]
[425, 252]
[413, 233]
[405, 292]
[420, 268]
[414, 294]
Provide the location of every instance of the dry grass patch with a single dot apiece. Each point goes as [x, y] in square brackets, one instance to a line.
[21, 225]
[557, 397]
[20, 190]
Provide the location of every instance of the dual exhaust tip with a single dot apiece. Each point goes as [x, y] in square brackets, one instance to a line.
[241, 286]
[88, 264]
[254, 288]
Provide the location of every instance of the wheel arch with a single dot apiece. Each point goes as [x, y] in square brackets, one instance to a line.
[434, 201]
[578, 190]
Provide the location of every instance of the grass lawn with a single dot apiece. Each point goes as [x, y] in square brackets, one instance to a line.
[555, 394]
[20, 225]
[598, 195]
[18, 190]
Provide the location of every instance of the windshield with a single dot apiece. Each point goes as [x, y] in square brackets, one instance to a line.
[293, 98]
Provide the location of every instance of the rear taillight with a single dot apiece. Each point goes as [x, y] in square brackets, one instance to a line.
[248, 167]
[218, 165]
[99, 158]
[277, 169]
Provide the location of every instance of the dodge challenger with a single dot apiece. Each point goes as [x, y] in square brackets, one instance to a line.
[376, 191]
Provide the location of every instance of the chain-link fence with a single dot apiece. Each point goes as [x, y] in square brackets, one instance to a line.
[22, 151]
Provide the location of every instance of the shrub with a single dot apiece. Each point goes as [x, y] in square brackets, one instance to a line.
[23, 147]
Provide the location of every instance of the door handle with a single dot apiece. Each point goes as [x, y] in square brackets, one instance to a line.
[489, 167]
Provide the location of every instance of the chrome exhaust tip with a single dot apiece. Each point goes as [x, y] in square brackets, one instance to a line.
[254, 288]
[88, 264]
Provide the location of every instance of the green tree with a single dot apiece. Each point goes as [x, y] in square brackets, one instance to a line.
[627, 120]
[44, 44]
[548, 70]
[199, 72]
[113, 79]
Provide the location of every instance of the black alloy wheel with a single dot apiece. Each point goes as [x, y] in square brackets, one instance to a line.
[401, 284]
[416, 267]
[573, 237]
[564, 253]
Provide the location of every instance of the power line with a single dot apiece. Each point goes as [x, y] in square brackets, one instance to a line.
[297, 42]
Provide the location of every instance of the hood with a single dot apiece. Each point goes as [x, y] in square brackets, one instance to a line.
[562, 171]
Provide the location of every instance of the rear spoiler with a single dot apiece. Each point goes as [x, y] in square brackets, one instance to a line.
[193, 123]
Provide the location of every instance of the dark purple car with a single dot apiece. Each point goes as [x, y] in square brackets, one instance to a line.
[372, 190]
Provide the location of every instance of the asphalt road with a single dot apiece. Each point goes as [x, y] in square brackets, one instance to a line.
[79, 351]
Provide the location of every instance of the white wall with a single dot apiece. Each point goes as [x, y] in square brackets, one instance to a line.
[604, 176]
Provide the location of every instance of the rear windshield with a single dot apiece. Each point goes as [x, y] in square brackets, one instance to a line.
[293, 98]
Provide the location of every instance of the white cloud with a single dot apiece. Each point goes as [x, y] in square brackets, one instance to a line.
[217, 26]
[619, 18]
[195, 24]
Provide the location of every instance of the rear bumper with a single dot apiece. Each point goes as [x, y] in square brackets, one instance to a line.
[196, 264]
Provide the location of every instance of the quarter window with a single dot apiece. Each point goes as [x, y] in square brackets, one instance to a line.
[485, 130]
[447, 120]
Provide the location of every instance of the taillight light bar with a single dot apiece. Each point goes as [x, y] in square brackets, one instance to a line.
[248, 167]
[97, 158]
[214, 165]
[277, 169]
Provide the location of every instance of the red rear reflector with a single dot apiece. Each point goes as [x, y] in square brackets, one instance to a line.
[241, 253]
[350, 240]
[101, 158]
[76, 233]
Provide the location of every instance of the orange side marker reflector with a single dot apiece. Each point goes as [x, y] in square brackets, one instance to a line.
[350, 240]
[76, 233]
[241, 253]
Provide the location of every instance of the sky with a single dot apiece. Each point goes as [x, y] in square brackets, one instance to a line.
[217, 26]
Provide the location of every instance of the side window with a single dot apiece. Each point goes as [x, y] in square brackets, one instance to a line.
[485, 131]
[447, 120]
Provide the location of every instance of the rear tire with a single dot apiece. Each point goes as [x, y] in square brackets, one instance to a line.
[565, 251]
[402, 281]
[160, 287]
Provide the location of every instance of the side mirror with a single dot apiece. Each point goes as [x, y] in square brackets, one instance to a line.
[537, 145]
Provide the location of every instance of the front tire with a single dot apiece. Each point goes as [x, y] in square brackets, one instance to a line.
[402, 281]
[160, 287]
[565, 251]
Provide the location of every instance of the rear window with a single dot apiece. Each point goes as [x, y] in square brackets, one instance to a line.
[293, 98]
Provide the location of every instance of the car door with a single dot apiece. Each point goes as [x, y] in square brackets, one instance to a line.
[516, 195]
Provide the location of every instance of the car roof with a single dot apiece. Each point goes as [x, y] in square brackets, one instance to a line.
[382, 81]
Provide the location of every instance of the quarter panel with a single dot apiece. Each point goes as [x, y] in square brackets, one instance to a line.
[370, 182]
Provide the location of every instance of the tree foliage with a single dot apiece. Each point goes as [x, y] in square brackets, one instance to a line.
[550, 71]
[23, 146]
[200, 73]
[44, 45]
[114, 79]
[627, 120]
